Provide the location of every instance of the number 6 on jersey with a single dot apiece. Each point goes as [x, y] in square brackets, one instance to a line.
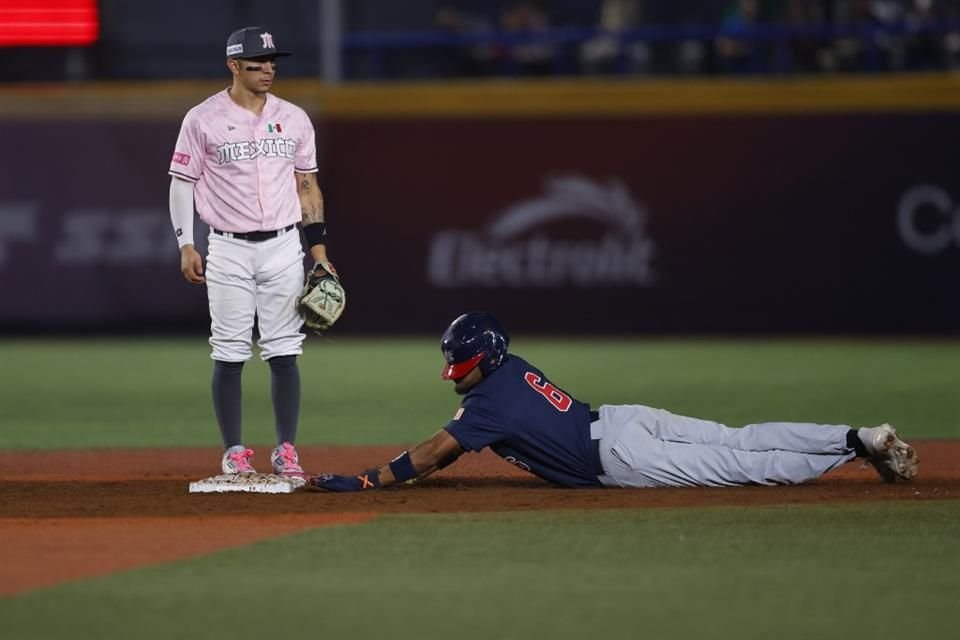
[557, 398]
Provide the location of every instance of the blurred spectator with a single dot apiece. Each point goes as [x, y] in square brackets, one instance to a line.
[891, 46]
[924, 49]
[867, 43]
[607, 52]
[736, 50]
[687, 53]
[951, 40]
[927, 46]
[470, 59]
[523, 19]
[802, 52]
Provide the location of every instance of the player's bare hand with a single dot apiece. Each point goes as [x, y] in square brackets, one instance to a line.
[191, 264]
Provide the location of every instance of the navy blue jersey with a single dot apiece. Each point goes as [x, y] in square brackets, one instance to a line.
[530, 423]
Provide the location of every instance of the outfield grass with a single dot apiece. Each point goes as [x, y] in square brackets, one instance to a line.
[871, 571]
[152, 392]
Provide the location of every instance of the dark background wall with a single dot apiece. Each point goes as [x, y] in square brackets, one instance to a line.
[704, 223]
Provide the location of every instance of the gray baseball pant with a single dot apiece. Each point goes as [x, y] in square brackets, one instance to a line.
[646, 447]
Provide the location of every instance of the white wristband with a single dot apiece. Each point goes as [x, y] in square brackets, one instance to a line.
[181, 210]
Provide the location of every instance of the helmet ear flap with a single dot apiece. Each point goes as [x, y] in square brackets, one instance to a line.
[494, 348]
[487, 364]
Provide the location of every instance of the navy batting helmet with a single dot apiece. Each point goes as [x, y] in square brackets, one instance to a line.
[473, 339]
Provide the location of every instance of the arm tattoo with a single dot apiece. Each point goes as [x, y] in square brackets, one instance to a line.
[312, 214]
[312, 211]
[311, 201]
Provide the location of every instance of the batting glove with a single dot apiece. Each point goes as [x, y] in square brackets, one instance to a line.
[369, 479]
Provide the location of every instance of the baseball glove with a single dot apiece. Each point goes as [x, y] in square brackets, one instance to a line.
[322, 299]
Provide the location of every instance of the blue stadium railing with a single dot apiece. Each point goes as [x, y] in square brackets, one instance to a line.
[873, 37]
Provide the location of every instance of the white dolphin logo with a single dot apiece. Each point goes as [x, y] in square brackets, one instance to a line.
[572, 197]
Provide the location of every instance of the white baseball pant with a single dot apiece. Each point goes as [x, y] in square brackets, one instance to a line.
[247, 279]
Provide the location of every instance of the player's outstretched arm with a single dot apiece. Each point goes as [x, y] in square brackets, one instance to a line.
[431, 455]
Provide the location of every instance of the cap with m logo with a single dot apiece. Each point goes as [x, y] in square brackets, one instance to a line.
[252, 42]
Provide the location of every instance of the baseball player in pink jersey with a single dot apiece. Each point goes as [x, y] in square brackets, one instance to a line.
[248, 161]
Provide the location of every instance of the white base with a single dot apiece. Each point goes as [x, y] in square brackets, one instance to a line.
[247, 483]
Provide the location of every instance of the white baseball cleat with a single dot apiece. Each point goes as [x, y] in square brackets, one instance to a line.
[285, 461]
[892, 457]
[236, 459]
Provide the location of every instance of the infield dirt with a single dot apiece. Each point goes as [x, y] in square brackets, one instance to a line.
[68, 515]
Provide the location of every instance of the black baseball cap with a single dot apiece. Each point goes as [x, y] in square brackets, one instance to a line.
[252, 42]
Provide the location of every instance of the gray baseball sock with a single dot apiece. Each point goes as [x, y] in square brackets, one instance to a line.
[227, 397]
[285, 391]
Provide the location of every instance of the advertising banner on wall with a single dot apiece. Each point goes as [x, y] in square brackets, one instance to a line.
[829, 223]
[642, 224]
[86, 240]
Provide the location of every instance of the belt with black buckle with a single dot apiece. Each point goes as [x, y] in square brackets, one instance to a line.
[254, 236]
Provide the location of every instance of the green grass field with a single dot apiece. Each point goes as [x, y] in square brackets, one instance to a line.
[77, 394]
[786, 572]
[877, 570]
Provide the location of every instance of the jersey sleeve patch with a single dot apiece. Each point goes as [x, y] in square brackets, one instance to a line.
[458, 414]
[181, 158]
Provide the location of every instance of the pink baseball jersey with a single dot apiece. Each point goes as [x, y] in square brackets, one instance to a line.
[243, 164]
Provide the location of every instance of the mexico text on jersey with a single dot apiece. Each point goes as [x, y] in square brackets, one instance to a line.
[243, 163]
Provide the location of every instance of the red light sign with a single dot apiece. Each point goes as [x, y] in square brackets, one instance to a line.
[41, 23]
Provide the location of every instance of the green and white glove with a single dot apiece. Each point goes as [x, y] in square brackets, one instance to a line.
[322, 299]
